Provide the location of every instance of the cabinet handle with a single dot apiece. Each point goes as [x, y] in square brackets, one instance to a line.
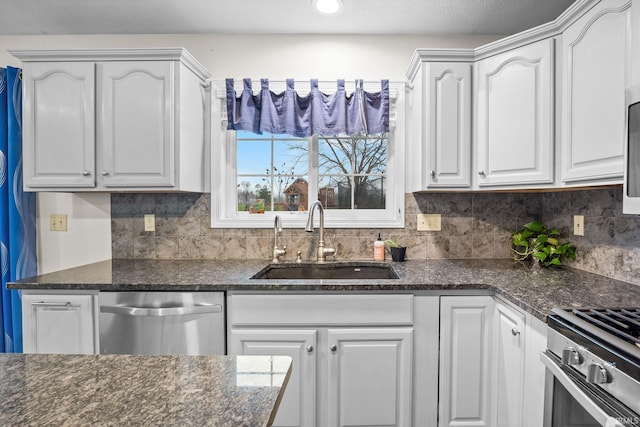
[515, 332]
[85, 173]
[104, 172]
[482, 174]
[333, 348]
[52, 304]
[433, 174]
[309, 348]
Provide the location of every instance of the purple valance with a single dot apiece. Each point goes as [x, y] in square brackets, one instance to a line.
[302, 116]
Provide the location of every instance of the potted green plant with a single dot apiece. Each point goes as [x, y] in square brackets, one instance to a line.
[398, 251]
[534, 242]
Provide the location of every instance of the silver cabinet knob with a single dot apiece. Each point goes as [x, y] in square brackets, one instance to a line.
[570, 356]
[333, 348]
[482, 174]
[309, 348]
[433, 174]
[104, 172]
[85, 173]
[515, 332]
[596, 374]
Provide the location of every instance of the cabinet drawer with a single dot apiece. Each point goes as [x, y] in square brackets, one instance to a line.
[248, 310]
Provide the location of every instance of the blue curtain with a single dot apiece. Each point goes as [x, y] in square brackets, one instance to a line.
[316, 113]
[17, 211]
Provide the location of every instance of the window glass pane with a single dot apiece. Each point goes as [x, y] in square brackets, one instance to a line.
[296, 195]
[335, 192]
[291, 156]
[252, 188]
[369, 192]
[370, 155]
[271, 172]
[354, 170]
[254, 157]
[334, 155]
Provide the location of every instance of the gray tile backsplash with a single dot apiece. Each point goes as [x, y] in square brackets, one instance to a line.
[474, 225]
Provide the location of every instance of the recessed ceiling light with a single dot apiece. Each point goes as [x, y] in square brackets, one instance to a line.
[328, 7]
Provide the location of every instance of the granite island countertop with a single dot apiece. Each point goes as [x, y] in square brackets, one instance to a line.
[535, 290]
[46, 389]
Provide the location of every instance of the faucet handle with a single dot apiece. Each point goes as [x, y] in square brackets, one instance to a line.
[298, 257]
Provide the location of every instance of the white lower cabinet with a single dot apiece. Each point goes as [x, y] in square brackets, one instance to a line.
[298, 407]
[369, 377]
[490, 369]
[355, 372]
[509, 333]
[465, 361]
[60, 323]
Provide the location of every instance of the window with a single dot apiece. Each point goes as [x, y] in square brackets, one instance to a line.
[358, 179]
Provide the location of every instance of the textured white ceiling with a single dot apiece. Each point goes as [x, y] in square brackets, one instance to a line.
[492, 17]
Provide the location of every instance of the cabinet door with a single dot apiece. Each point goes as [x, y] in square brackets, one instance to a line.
[59, 124]
[596, 52]
[136, 123]
[465, 361]
[61, 324]
[369, 377]
[508, 365]
[299, 401]
[448, 124]
[515, 131]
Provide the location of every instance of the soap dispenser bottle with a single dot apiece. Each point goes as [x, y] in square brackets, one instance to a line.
[378, 249]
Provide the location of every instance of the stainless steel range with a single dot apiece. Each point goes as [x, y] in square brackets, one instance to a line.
[593, 356]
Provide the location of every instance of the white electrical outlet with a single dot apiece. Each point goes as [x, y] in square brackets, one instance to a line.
[58, 222]
[150, 222]
[429, 222]
[578, 225]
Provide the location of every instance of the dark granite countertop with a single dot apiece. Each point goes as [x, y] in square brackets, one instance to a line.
[45, 389]
[534, 290]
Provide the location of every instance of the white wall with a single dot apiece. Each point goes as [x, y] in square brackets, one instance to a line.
[276, 57]
[88, 235]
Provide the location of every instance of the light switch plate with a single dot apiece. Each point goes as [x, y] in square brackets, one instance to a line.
[150, 222]
[578, 225]
[429, 222]
[58, 222]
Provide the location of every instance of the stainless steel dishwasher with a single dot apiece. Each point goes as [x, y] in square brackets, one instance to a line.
[162, 323]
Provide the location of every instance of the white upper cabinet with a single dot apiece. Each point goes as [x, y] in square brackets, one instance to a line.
[59, 124]
[548, 105]
[113, 120]
[514, 110]
[136, 139]
[442, 113]
[596, 60]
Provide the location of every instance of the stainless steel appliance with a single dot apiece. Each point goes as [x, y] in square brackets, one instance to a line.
[593, 358]
[631, 187]
[162, 323]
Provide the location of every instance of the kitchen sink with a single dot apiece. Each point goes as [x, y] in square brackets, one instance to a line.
[332, 270]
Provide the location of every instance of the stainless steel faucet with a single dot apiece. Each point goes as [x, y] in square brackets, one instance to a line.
[277, 229]
[322, 251]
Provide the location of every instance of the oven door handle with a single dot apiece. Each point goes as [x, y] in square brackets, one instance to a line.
[594, 410]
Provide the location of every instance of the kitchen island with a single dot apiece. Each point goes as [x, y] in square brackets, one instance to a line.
[46, 389]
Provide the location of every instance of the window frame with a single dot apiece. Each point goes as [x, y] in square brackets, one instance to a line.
[223, 177]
